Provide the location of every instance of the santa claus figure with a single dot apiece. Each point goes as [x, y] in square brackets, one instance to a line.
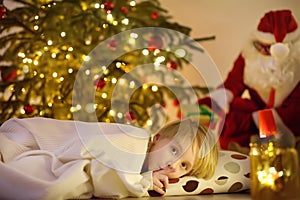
[268, 68]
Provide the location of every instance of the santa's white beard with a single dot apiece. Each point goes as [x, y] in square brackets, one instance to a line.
[265, 72]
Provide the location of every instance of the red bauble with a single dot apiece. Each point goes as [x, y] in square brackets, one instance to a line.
[8, 77]
[172, 65]
[155, 42]
[99, 83]
[28, 109]
[154, 15]
[113, 44]
[176, 102]
[2, 12]
[124, 10]
[108, 5]
[130, 116]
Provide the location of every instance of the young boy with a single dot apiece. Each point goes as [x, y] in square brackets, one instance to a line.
[44, 158]
[178, 149]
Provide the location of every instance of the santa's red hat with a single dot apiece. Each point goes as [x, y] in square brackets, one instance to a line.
[277, 26]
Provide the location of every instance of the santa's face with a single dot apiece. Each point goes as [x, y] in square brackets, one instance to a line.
[271, 65]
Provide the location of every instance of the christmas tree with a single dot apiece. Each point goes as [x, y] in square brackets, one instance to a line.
[53, 50]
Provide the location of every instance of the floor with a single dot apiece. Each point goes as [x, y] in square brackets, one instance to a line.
[234, 196]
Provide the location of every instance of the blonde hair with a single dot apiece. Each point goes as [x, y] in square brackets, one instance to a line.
[204, 140]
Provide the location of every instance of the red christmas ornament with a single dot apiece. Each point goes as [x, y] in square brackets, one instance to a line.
[99, 83]
[130, 116]
[108, 5]
[154, 15]
[155, 42]
[176, 102]
[124, 10]
[8, 77]
[28, 109]
[172, 65]
[2, 12]
[113, 44]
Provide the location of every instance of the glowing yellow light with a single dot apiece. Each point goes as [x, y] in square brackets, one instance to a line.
[68, 56]
[75, 108]
[35, 62]
[21, 55]
[149, 122]
[109, 17]
[105, 25]
[86, 58]
[156, 52]
[22, 111]
[54, 74]
[114, 80]
[23, 90]
[131, 41]
[105, 72]
[50, 104]
[83, 6]
[39, 53]
[134, 35]
[120, 115]
[145, 52]
[122, 81]
[36, 17]
[104, 95]
[131, 84]
[49, 42]
[53, 55]
[154, 88]
[160, 59]
[87, 72]
[115, 23]
[70, 49]
[125, 21]
[63, 34]
[112, 113]
[46, 49]
[118, 64]
[41, 113]
[132, 3]
[61, 79]
[180, 53]
[97, 5]
[103, 67]
[70, 70]
[26, 69]
[36, 27]
[145, 86]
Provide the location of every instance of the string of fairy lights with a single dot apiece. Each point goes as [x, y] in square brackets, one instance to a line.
[57, 43]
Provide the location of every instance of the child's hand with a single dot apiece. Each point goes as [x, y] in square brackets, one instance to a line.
[160, 179]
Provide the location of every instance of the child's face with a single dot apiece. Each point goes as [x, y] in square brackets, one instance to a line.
[167, 152]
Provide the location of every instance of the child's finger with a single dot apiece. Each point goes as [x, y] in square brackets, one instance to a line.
[158, 189]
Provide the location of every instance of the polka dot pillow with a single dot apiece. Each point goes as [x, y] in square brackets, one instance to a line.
[232, 175]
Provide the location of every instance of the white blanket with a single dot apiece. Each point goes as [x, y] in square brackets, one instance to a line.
[54, 159]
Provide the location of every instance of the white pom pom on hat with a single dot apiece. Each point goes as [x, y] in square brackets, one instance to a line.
[277, 26]
[279, 50]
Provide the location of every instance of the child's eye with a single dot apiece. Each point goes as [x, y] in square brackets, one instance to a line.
[174, 150]
[183, 165]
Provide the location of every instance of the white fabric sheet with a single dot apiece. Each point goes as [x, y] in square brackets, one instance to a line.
[45, 158]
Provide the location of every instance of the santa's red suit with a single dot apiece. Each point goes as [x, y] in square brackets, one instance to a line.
[269, 69]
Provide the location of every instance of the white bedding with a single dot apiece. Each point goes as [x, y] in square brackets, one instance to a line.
[53, 159]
